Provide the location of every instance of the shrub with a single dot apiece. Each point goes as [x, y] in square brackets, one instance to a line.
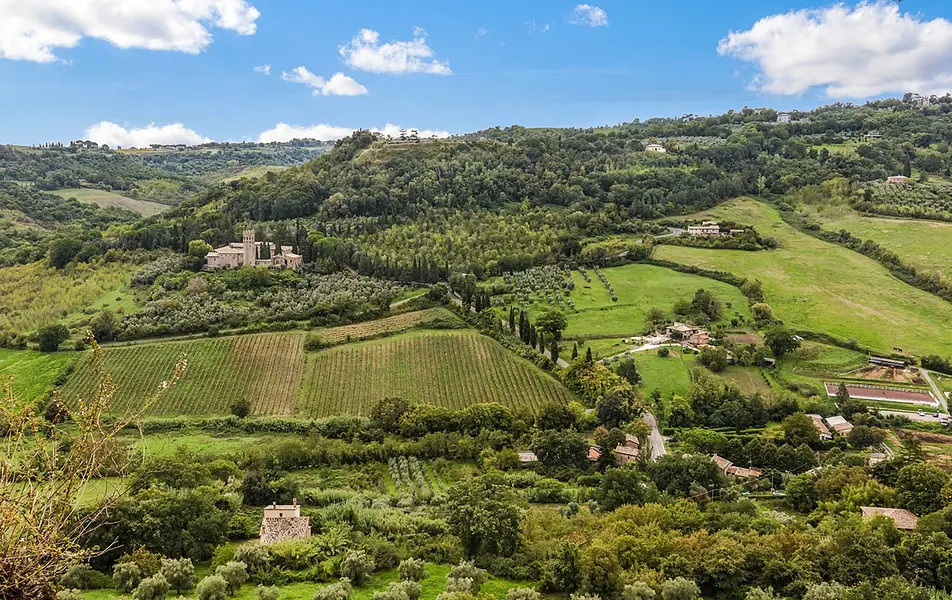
[268, 593]
[235, 574]
[213, 587]
[664, 352]
[357, 567]
[638, 590]
[126, 576]
[51, 336]
[460, 585]
[523, 594]
[313, 343]
[401, 590]
[255, 556]
[152, 588]
[680, 589]
[148, 562]
[83, 577]
[825, 591]
[69, 595]
[241, 408]
[467, 570]
[336, 591]
[179, 573]
[412, 569]
[760, 594]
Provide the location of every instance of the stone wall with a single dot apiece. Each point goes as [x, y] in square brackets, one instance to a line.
[287, 528]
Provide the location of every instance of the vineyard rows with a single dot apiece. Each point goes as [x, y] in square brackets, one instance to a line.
[265, 369]
[412, 478]
[448, 368]
[392, 324]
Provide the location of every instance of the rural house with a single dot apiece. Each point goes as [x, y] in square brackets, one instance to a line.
[655, 148]
[783, 117]
[708, 228]
[839, 425]
[897, 179]
[283, 522]
[901, 518]
[821, 427]
[731, 470]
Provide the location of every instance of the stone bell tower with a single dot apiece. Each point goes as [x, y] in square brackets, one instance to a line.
[248, 244]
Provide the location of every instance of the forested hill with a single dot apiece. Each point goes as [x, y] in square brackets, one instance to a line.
[603, 175]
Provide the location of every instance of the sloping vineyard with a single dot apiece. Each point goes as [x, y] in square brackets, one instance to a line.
[359, 331]
[265, 369]
[449, 368]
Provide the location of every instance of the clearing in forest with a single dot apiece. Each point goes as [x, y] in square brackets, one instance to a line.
[819, 286]
[106, 199]
[448, 368]
[264, 369]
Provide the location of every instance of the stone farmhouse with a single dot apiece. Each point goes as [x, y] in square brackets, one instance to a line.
[708, 228]
[731, 470]
[821, 427]
[901, 518]
[689, 334]
[284, 522]
[249, 252]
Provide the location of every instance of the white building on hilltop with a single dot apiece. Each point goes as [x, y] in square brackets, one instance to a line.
[783, 117]
[248, 252]
[655, 148]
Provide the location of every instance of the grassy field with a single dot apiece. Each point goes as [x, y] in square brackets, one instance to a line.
[255, 171]
[818, 286]
[747, 379]
[32, 372]
[265, 369]
[671, 375]
[817, 361]
[639, 288]
[32, 296]
[433, 585]
[925, 244]
[452, 368]
[109, 199]
[448, 368]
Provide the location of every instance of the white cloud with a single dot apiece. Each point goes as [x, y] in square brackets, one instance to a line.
[338, 85]
[283, 132]
[869, 50]
[365, 52]
[587, 14]
[481, 31]
[34, 29]
[117, 135]
[265, 69]
[535, 28]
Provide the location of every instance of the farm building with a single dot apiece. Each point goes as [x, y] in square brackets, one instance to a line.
[839, 425]
[528, 457]
[594, 452]
[897, 179]
[707, 228]
[901, 518]
[625, 455]
[655, 148]
[873, 134]
[283, 522]
[248, 252]
[887, 362]
[693, 336]
[732, 470]
[821, 427]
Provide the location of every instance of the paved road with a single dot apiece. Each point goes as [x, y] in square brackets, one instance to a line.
[657, 441]
[400, 303]
[927, 418]
[936, 391]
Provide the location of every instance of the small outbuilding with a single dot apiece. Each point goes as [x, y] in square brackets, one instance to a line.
[901, 518]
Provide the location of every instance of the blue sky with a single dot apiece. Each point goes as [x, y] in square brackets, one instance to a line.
[190, 73]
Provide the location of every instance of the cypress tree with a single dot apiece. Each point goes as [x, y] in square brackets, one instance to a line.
[554, 351]
[542, 341]
[512, 318]
[588, 356]
[533, 336]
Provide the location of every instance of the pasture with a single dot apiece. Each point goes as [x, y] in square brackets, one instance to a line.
[818, 286]
[446, 368]
[639, 288]
[32, 373]
[106, 199]
[671, 374]
[925, 244]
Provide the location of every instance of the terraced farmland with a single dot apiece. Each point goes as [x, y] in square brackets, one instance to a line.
[265, 369]
[447, 368]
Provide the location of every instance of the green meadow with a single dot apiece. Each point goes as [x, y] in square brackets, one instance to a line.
[106, 199]
[32, 373]
[818, 286]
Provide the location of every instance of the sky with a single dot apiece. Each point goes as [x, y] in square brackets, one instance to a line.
[135, 72]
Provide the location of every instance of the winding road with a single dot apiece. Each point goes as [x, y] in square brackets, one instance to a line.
[655, 439]
[936, 391]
